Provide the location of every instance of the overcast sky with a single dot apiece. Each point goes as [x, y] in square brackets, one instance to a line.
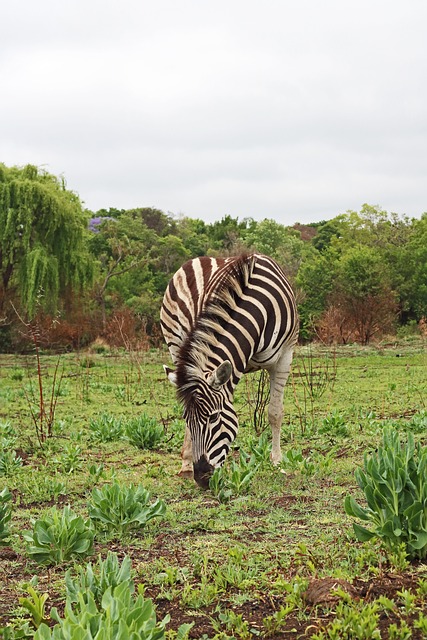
[295, 111]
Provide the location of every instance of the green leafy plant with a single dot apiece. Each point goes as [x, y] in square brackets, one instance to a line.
[106, 428]
[70, 460]
[232, 622]
[5, 514]
[120, 615]
[275, 622]
[233, 478]
[293, 460]
[58, 537]
[394, 481]
[144, 432]
[96, 472]
[261, 448]
[9, 462]
[35, 604]
[334, 425]
[122, 508]
[97, 578]
[353, 622]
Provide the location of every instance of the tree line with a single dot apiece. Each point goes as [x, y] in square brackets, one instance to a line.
[77, 274]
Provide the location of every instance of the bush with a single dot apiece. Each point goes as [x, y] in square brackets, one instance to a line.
[58, 537]
[120, 615]
[234, 478]
[394, 481]
[96, 579]
[144, 432]
[121, 508]
[106, 428]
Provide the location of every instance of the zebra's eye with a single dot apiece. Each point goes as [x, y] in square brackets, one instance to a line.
[214, 416]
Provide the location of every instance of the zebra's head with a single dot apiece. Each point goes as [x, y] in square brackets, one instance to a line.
[209, 415]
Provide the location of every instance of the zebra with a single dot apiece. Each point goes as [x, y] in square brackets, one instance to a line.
[222, 318]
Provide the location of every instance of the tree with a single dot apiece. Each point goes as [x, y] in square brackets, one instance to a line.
[226, 233]
[362, 293]
[273, 239]
[120, 245]
[411, 267]
[42, 239]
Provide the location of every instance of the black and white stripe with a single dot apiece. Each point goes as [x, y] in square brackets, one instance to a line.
[222, 318]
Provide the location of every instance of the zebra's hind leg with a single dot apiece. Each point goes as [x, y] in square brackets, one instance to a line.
[187, 456]
[278, 377]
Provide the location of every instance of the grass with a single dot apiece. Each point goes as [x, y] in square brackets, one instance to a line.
[238, 568]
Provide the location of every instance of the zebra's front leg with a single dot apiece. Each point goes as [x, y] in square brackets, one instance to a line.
[187, 456]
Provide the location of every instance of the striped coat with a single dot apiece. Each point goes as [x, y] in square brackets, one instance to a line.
[222, 318]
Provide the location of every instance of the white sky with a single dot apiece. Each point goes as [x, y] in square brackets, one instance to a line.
[296, 111]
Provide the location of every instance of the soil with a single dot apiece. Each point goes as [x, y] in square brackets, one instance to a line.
[319, 597]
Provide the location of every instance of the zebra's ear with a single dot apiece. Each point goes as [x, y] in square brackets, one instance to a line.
[221, 375]
[171, 374]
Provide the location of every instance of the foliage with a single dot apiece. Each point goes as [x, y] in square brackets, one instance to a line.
[35, 604]
[144, 432]
[106, 428]
[58, 537]
[234, 477]
[120, 615]
[353, 623]
[5, 514]
[42, 237]
[96, 579]
[394, 481]
[355, 275]
[122, 508]
[10, 462]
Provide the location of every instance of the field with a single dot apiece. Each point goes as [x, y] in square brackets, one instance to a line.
[270, 554]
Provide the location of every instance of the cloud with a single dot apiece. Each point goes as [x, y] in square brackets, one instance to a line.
[296, 111]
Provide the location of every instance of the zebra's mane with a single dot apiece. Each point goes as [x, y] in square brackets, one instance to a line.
[194, 358]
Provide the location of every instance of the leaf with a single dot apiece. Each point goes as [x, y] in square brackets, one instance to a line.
[362, 534]
[352, 508]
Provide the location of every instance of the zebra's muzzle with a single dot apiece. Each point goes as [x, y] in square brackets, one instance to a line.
[202, 472]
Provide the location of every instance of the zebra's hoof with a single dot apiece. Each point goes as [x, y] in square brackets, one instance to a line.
[186, 473]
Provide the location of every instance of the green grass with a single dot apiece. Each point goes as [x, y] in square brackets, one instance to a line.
[290, 525]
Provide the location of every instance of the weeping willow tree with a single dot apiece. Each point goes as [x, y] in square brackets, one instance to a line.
[43, 252]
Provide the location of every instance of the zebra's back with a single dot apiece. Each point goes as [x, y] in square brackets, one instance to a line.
[184, 300]
[263, 303]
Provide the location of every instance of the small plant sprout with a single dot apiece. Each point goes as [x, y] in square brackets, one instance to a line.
[10, 463]
[233, 478]
[35, 604]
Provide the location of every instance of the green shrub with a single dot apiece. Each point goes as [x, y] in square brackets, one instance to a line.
[96, 579]
[233, 478]
[5, 514]
[334, 425]
[9, 462]
[120, 615]
[106, 428]
[120, 508]
[394, 481]
[58, 537]
[144, 432]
